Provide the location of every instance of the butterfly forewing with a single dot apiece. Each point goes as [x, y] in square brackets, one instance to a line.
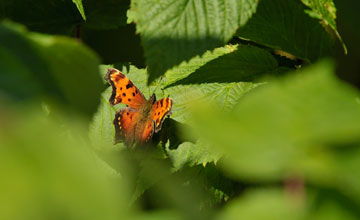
[123, 90]
[160, 110]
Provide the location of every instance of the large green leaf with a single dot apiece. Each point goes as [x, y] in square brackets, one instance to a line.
[48, 172]
[283, 25]
[174, 31]
[242, 64]
[285, 127]
[271, 204]
[186, 68]
[325, 10]
[37, 66]
[50, 16]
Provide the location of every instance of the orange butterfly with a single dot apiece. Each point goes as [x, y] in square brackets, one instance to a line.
[138, 121]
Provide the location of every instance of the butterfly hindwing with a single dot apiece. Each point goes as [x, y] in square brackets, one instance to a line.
[123, 90]
[145, 131]
[160, 110]
[125, 124]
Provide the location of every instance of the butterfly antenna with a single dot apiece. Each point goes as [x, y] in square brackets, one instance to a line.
[158, 84]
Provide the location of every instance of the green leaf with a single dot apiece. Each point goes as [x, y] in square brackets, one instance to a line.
[325, 10]
[174, 31]
[105, 14]
[160, 215]
[284, 127]
[49, 16]
[80, 7]
[214, 78]
[101, 131]
[191, 154]
[271, 204]
[242, 64]
[283, 25]
[36, 66]
[222, 95]
[48, 172]
[186, 68]
[327, 204]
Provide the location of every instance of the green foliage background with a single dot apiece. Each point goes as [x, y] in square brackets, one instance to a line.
[265, 123]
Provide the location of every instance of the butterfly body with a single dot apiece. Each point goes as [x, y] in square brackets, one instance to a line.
[142, 118]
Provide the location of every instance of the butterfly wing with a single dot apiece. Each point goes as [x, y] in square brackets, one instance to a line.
[145, 130]
[123, 90]
[125, 125]
[160, 110]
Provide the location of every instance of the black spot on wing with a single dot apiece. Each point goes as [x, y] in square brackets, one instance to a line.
[129, 85]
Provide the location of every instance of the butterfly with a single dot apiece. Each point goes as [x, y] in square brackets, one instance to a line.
[141, 118]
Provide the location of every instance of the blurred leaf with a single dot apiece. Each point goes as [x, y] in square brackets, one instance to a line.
[47, 172]
[325, 10]
[190, 154]
[285, 126]
[342, 175]
[105, 14]
[55, 67]
[151, 172]
[80, 7]
[174, 31]
[324, 204]
[271, 204]
[219, 188]
[283, 25]
[49, 16]
[160, 215]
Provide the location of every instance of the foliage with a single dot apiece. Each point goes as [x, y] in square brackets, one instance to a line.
[261, 127]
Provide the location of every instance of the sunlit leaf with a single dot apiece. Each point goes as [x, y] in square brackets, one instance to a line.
[173, 31]
[325, 10]
[283, 25]
[80, 7]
